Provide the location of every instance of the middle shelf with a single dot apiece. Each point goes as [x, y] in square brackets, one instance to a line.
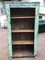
[22, 30]
[23, 42]
[20, 17]
[22, 24]
[22, 38]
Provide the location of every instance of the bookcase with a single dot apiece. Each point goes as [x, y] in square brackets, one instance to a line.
[23, 19]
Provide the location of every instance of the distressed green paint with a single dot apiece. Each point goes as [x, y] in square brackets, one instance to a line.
[36, 30]
[23, 5]
[9, 30]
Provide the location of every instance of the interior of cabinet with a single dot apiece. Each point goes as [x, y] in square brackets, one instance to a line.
[23, 50]
[27, 23]
[15, 12]
[22, 27]
[22, 38]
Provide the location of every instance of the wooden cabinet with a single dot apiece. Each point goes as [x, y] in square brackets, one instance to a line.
[23, 19]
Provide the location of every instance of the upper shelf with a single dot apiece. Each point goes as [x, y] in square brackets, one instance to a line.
[22, 30]
[20, 17]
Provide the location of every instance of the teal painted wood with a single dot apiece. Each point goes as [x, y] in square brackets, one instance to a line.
[9, 30]
[23, 5]
[36, 30]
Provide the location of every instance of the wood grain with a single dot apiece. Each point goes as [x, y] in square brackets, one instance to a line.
[22, 30]
[22, 42]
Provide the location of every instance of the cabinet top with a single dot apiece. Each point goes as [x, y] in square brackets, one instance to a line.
[21, 4]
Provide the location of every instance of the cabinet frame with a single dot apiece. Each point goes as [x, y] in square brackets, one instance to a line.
[9, 5]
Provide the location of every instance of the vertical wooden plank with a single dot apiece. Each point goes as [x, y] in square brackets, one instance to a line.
[36, 30]
[9, 30]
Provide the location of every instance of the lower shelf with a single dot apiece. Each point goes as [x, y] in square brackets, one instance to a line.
[22, 54]
[23, 51]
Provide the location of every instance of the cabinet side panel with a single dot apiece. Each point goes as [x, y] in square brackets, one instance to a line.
[9, 30]
[36, 30]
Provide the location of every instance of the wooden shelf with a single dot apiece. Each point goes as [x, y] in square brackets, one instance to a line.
[20, 17]
[22, 30]
[23, 53]
[23, 42]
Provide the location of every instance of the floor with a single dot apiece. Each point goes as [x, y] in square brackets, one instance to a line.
[4, 47]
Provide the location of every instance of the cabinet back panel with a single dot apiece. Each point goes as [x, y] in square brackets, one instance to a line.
[22, 36]
[22, 23]
[22, 47]
[22, 11]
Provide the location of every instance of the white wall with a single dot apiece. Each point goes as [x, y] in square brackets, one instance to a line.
[3, 20]
[41, 1]
[1, 4]
[42, 10]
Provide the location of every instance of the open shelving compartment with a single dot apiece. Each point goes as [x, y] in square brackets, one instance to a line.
[22, 27]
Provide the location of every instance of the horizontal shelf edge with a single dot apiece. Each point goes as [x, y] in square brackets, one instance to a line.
[22, 30]
[23, 42]
[22, 17]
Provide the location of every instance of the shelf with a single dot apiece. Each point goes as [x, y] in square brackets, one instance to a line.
[22, 30]
[23, 53]
[20, 17]
[23, 42]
